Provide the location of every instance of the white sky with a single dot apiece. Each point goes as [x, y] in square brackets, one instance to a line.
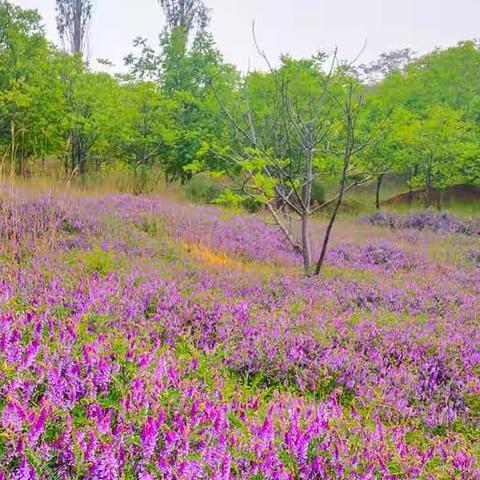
[299, 27]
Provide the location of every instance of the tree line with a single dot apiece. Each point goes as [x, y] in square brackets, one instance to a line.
[179, 97]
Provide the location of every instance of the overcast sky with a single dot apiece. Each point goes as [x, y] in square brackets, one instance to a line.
[299, 27]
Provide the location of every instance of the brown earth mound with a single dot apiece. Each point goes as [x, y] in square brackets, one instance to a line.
[456, 193]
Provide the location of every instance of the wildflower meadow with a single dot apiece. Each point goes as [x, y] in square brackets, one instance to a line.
[146, 339]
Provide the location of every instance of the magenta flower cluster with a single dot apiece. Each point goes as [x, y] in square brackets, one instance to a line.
[441, 222]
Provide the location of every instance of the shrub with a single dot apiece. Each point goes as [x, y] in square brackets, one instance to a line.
[202, 189]
[252, 205]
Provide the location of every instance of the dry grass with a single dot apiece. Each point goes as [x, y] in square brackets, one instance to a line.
[99, 185]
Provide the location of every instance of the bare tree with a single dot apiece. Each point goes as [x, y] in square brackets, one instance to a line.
[185, 14]
[311, 132]
[73, 22]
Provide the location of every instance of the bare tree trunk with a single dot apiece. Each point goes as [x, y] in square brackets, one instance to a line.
[349, 148]
[78, 154]
[74, 152]
[306, 246]
[13, 148]
[2, 166]
[307, 201]
[23, 158]
[413, 173]
[441, 196]
[428, 187]
[333, 216]
[77, 27]
[377, 192]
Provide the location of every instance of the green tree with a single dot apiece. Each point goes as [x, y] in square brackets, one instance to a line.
[441, 142]
[147, 130]
[184, 68]
[30, 95]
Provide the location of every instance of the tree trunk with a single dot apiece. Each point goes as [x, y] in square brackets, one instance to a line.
[78, 155]
[307, 201]
[441, 196]
[328, 232]
[4, 157]
[23, 159]
[413, 173]
[306, 246]
[333, 217]
[428, 187]
[77, 27]
[377, 192]
[13, 148]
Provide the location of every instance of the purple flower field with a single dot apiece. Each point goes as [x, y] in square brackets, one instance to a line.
[145, 339]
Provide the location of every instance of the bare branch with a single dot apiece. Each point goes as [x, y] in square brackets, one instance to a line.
[335, 198]
[288, 234]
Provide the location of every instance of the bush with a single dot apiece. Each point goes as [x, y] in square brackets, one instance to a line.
[202, 189]
[251, 205]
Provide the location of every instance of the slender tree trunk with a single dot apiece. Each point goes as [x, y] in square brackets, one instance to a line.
[307, 202]
[351, 117]
[306, 246]
[81, 159]
[413, 173]
[23, 158]
[74, 153]
[334, 214]
[441, 196]
[2, 171]
[328, 232]
[78, 154]
[77, 27]
[428, 187]
[13, 148]
[377, 192]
